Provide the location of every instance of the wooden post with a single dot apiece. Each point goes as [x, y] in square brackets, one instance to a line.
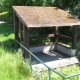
[16, 27]
[21, 31]
[74, 36]
[26, 40]
[56, 33]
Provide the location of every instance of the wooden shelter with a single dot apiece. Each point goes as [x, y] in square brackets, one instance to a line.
[28, 17]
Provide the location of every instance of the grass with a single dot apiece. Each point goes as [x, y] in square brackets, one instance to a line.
[66, 71]
[12, 66]
[6, 39]
[4, 16]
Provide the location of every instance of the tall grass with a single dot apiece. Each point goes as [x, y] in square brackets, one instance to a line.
[12, 65]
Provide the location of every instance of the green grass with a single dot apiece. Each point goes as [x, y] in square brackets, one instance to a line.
[66, 71]
[12, 66]
[4, 16]
[6, 39]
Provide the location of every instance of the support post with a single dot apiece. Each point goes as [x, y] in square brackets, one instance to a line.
[26, 41]
[56, 33]
[56, 37]
[74, 36]
[16, 27]
[21, 31]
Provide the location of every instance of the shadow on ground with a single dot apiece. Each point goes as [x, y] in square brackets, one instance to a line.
[7, 42]
[50, 56]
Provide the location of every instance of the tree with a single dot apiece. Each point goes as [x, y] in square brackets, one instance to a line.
[72, 5]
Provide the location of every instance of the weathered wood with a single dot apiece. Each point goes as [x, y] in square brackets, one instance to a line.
[42, 36]
[56, 33]
[65, 37]
[64, 45]
[40, 17]
[21, 30]
[33, 16]
[74, 36]
[26, 40]
[45, 44]
[16, 27]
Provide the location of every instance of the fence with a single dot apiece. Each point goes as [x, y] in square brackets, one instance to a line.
[49, 69]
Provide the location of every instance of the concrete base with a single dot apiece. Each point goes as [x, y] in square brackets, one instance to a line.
[60, 47]
[65, 50]
[56, 64]
[52, 59]
[44, 49]
[56, 55]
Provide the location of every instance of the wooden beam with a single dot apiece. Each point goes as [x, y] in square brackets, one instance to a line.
[74, 36]
[45, 44]
[56, 33]
[65, 37]
[64, 45]
[21, 30]
[42, 36]
[26, 40]
[16, 27]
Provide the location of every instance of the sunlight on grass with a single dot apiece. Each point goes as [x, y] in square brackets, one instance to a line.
[6, 32]
[66, 71]
[12, 67]
[5, 38]
[3, 13]
[4, 16]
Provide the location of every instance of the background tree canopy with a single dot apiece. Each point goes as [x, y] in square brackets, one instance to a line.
[72, 6]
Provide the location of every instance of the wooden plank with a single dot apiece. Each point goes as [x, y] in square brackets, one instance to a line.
[26, 40]
[46, 44]
[65, 37]
[56, 33]
[42, 36]
[64, 45]
[74, 36]
[16, 27]
[33, 16]
[21, 30]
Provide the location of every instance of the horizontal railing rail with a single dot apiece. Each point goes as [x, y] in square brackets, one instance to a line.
[65, 37]
[43, 36]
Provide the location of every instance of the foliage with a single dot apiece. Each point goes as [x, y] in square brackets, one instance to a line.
[1, 6]
[73, 6]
